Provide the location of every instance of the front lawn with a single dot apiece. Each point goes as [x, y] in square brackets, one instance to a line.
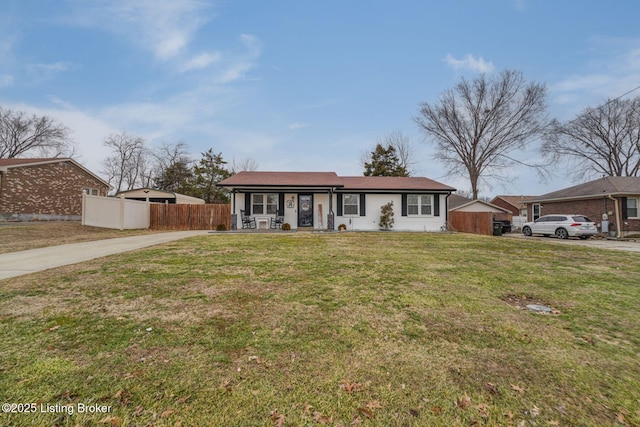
[370, 329]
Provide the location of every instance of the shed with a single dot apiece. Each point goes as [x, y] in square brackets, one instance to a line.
[159, 196]
[475, 217]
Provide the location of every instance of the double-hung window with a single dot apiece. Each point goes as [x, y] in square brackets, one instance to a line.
[632, 208]
[351, 204]
[419, 204]
[264, 204]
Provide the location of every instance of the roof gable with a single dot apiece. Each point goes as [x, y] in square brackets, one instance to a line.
[517, 202]
[19, 162]
[456, 200]
[484, 207]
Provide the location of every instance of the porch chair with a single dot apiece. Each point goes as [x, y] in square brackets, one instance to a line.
[276, 222]
[247, 221]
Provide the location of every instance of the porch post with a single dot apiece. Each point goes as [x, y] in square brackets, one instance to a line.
[330, 225]
[234, 216]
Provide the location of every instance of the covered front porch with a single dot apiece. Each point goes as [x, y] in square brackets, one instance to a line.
[277, 200]
[264, 209]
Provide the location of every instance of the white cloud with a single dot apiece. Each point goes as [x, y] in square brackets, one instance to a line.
[469, 63]
[612, 72]
[87, 131]
[200, 61]
[295, 126]
[53, 68]
[45, 72]
[6, 80]
[242, 63]
[164, 27]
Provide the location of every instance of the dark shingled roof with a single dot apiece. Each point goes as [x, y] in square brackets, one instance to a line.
[393, 183]
[516, 201]
[20, 162]
[608, 185]
[456, 200]
[285, 179]
[330, 179]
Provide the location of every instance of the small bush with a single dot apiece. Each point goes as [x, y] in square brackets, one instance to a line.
[286, 226]
[342, 227]
[221, 227]
[386, 216]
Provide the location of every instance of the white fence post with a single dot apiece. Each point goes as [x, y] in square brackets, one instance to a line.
[84, 207]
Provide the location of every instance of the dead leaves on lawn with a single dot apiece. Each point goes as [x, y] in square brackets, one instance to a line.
[517, 388]
[361, 413]
[350, 387]
[277, 418]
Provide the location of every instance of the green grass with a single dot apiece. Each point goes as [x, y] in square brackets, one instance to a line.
[374, 329]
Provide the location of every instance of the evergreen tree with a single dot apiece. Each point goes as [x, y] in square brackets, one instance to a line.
[208, 172]
[177, 177]
[384, 162]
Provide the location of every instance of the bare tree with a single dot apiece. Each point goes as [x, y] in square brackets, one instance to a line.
[21, 133]
[479, 126]
[600, 141]
[173, 168]
[126, 166]
[243, 165]
[402, 147]
[404, 150]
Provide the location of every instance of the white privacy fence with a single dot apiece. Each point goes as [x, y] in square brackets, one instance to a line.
[112, 212]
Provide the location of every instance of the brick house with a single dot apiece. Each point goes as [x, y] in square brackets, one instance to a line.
[45, 189]
[613, 200]
[516, 207]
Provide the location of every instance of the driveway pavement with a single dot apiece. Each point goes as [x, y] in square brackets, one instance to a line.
[18, 263]
[621, 245]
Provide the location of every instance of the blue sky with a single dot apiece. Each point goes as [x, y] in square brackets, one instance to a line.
[298, 85]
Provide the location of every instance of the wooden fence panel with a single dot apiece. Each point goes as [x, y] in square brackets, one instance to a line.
[189, 217]
[472, 222]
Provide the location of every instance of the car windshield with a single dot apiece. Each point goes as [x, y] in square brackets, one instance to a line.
[581, 219]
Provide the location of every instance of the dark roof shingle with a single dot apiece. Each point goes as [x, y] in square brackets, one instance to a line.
[330, 179]
[285, 179]
[393, 183]
[608, 185]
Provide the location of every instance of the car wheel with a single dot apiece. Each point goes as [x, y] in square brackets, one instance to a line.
[526, 231]
[561, 233]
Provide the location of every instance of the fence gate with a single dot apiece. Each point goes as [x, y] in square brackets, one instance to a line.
[190, 217]
[472, 222]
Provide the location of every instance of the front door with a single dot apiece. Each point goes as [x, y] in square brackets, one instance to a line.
[536, 211]
[305, 210]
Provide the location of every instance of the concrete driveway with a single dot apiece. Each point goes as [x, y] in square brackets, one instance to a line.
[620, 245]
[18, 263]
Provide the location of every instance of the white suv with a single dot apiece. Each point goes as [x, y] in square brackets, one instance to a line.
[562, 226]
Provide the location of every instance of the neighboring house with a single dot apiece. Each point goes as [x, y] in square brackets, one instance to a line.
[456, 200]
[159, 196]
[516, 207]
[612, 201]
[45, 189]
[324, 200]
